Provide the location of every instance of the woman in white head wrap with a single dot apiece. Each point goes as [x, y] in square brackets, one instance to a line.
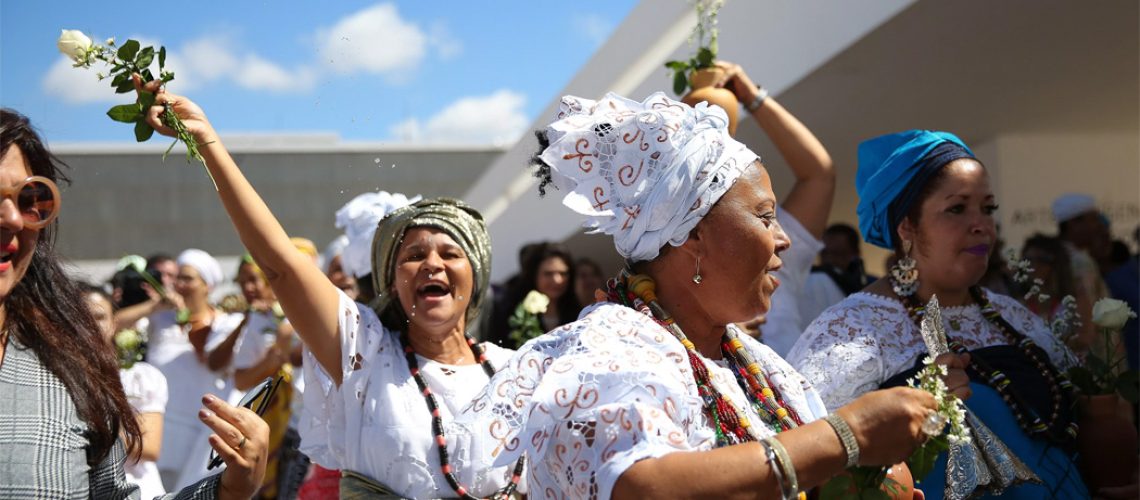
[179, 344]
[602, 405]
[381, 382]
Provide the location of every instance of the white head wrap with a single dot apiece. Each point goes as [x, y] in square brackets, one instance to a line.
[643, 172]
[358, 219]
[1070, 205]
[208, 267]
[335, 249]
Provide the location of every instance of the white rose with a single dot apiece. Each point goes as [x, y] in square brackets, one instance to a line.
[74, 44]
[1112, 313]
[535, 302]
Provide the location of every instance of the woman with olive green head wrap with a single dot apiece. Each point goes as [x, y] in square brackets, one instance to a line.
[379, 395]
[462, 223]
[431, 271]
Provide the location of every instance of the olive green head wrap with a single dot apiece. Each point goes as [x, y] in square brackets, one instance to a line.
[464, 224]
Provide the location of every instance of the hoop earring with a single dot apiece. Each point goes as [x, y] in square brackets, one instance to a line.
[697, 277]
[904, 274]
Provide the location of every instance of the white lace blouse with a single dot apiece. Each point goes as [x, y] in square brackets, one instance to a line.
[377, 422]
[589, 399]
[866, 339]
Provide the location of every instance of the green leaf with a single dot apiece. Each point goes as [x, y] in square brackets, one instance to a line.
[146, 75]
[120, 78]
[143, 131]
[146, 100]
[128, 50]
[125, 87]
[838, 487]
[677, 65]
[705, 58]
[145, 57]
[126, 113]
[680, 82]
[167, 76]
[161, 59]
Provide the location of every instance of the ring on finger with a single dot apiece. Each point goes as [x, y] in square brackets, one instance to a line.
[933, 424]
[240, 443]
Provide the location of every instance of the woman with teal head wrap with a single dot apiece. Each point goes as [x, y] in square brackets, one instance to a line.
[924, 195]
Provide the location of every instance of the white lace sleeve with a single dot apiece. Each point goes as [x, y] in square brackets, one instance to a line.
[324, 419]
[1033, 327]
[840, 354]
[588, 400]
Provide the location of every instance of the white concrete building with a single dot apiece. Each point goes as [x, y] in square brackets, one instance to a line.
[1045, 91]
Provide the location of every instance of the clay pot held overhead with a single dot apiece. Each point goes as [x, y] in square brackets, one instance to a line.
[703, 90]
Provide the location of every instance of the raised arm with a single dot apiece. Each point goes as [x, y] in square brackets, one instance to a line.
[309, 300]
[814, 189]
[887, 426]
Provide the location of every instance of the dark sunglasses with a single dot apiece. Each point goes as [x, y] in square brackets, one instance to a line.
[37, 199]
[257, 399]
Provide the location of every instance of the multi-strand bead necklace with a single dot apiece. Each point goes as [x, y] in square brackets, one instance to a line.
[730, 423]
[1057, 428]
[437, 421]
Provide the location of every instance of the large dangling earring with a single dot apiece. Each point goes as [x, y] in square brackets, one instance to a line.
[697, 277]
[904, 274]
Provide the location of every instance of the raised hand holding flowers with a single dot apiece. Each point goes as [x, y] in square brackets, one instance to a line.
[124, 62]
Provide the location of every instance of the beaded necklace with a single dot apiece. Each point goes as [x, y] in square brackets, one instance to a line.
[730, 423]
[1054, 429]
[437, 420]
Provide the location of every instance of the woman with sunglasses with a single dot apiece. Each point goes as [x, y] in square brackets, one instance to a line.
[376, 371]
[63, 402]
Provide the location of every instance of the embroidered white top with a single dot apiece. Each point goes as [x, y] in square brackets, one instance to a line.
[866, 339]
[377, 422]
[589, 399]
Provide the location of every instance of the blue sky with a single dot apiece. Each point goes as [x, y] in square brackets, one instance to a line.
[403, 71]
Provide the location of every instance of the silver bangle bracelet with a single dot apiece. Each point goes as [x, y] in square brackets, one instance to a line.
[761, 95]
[773, 465]
[846, 437]
[789, 485]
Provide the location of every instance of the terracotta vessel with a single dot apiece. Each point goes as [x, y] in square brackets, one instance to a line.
[904, 490]
[1107, 442]
[703, 90]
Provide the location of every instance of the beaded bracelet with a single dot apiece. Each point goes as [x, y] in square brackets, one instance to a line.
[789, 485]
[846, 437]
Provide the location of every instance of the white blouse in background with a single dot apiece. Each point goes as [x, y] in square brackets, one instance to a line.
[145, 387]
[377, 422]
[866, 339]
[589, 399]
[183, 434]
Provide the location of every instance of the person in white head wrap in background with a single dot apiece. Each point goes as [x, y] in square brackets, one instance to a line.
[358, 219]
[601, 405]
[179, 343]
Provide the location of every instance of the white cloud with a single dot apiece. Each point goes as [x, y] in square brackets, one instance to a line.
[444, 43]
[195, 64]
[375, 40]
[77, 86]
[497, 118]
[592, 27]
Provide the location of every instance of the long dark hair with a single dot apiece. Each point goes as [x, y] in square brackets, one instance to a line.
[47, 313]
[567, 305]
